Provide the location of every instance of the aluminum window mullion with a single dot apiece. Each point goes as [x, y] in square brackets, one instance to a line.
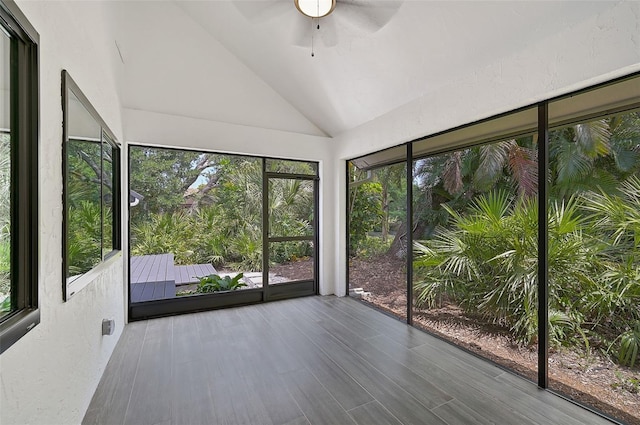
[543, 239]
[288, 176]
[265, 232]
[409, 177]
[291, 238]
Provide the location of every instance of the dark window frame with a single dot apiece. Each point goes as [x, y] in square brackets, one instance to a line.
[106, 137]
[543, 126]
[24, 175]
[179, 305]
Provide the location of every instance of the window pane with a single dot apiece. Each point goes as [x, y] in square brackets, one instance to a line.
[107, 196]
[193, 214]
[6, 305]
[377, 237]
[84, 225]
[290, 261]
[291, 167]
[594, 263]
[290, 207]
[475, 250]
[83, 186]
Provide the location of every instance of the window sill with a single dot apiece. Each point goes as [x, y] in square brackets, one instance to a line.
[84, 280]
[16, 326]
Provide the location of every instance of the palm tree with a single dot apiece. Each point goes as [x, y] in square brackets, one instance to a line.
[512, 158]
[594, 155]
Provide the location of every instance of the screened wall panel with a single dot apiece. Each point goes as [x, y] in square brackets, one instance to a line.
[475, 250]
[378, 237]
[594, 262]
[486, 272]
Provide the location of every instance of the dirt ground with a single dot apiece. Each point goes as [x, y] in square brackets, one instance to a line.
[594, 381]
[295, 270]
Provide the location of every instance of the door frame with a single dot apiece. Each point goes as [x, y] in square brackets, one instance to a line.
[297, 288]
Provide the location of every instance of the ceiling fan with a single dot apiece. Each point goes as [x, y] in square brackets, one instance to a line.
[326, 20]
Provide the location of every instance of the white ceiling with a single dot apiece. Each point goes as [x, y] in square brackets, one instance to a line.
[214, 60]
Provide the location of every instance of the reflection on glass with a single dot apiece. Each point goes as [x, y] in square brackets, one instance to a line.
[291, 167]
[475, 250]
[84, 220]
[377, 237]
[107, 196]
[290, 261]
[290, 207]
[83, 189]
[6, 305]
[594, 263]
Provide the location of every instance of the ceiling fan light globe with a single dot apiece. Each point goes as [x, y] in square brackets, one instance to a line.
[315, 8]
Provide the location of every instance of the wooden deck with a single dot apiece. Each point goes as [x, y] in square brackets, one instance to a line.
[186, 275]
[155, 277]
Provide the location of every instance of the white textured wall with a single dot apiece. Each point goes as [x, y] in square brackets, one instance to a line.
[48, 376]
[596, 50]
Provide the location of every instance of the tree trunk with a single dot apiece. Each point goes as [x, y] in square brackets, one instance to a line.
[399, 245]
[385, 214]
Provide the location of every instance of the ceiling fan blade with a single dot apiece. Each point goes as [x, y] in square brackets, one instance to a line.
[256, 11]
[369, 16]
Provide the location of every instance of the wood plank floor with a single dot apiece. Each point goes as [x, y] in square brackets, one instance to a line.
[314, 360]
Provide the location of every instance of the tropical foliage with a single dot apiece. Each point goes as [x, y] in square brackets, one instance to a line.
[207, 208]
[365, 213]
[88, 203]
[476, 226]
[486, 262]
[216, 283]
[5, 222]
[482, 253]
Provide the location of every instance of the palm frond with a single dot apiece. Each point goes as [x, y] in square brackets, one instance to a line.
[523, 165]
[572, 163]
[452, 174]
[593, 138]
[492, 207]
[493, 158]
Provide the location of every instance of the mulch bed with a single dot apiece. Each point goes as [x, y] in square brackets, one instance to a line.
[593, 381]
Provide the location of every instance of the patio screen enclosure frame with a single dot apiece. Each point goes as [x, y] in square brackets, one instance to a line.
[268, 292]
[603, 100]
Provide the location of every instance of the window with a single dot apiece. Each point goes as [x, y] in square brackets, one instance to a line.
[377, 211]
[91, 188]
[594, 260]
[525, 241]
[18, 176]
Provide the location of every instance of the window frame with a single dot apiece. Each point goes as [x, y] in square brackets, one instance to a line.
[602, 100]
[70, 288]
[24, 118]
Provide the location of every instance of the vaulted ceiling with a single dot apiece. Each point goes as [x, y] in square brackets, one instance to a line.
[249, 62]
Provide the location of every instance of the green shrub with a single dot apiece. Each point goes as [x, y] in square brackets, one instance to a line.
[486, 261]
[84, 238]
[365, 213]
[5, 266]
[372, 246]
[215, 283]
[629, 346]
